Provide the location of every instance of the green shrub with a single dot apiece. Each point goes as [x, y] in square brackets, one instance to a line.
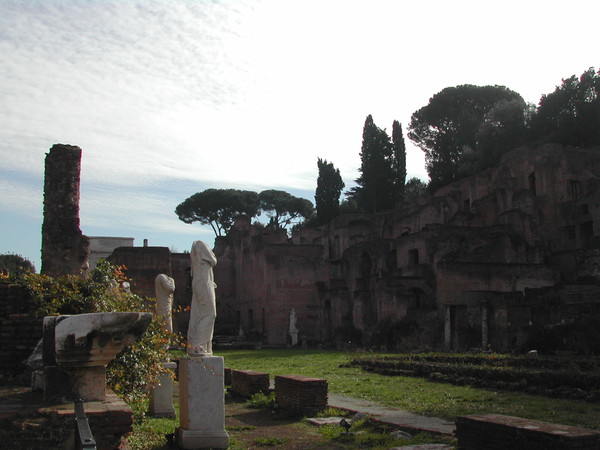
[139, 364]
[261, 401]
[269, 442]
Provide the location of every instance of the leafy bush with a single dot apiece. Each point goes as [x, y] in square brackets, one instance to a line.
[136, 366]
[261, 401]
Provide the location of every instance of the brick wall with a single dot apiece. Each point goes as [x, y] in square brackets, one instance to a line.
[495, 431]
[20, 331]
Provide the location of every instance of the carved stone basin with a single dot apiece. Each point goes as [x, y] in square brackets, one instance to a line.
[77, 349]
[96, 339]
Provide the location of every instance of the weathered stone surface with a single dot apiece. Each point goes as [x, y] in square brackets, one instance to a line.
[471, 266]
[65, 250]
[495, 431]
[26, 420]
[161, 394]
[299, 394]
[249, 382]
[95, 339]
[78, 348]
[202, 403]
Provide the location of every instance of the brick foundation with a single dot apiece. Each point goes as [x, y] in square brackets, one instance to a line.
[302, 395]
[495, 431]
[248, 382]
[20, 331]
[28, 423]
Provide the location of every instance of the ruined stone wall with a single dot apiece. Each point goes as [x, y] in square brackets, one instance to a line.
[291, 279]
[20, 330]
[143, 265]
[455, 278]
[65, 250]
[259, 280]
[182, 298]
[520, 226]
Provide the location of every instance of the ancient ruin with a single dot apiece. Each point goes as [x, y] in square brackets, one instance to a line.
[496, 260]
[78, 348]
[65, 250]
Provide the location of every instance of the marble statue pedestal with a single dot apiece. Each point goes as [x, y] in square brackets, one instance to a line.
[294, 336]
[161, 395]
[202, 403]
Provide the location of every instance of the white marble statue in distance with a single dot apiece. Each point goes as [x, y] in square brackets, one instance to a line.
[165, 287]
[204, 308]
[293, 321]
[293, 327]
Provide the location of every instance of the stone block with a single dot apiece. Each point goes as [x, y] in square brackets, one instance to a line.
[249, 382]
[202, 403]
[161, 396]
[495, 431]
[303, 395]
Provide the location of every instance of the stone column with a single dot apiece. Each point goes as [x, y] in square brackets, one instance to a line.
[65, 250]
[202, 403]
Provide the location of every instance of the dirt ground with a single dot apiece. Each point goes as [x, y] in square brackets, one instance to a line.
[240, 421]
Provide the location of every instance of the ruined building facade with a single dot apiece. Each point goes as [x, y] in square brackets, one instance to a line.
[65, 249]
[495, 260]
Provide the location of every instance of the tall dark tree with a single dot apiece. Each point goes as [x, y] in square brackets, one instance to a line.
[329, 189]
[218, 208]
[449, 124]
[399, 148]
[375, 190]
[571, 114]
[283, 208]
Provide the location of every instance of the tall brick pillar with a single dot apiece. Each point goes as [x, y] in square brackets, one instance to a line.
[65, 250]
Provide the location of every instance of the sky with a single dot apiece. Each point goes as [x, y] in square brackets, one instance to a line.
[167, 98]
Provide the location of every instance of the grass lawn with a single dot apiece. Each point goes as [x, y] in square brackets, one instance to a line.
[413, 394]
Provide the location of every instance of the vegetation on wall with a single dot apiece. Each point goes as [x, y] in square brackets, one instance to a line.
[15, 265]
[137, 365]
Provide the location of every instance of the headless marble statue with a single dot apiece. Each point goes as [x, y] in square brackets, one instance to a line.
[164, 286]
[204, 308]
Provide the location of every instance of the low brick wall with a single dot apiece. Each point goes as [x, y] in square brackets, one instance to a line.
[27, 422]
[495, 431]
[19, 334]
[248, 382]
[302, 395]
[20, 331]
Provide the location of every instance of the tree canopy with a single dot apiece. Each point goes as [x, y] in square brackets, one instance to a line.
[283, 208]
[329, 189]
[571, 114]
[414, 189]
[449, 124]
[382, 169]
[218, 208]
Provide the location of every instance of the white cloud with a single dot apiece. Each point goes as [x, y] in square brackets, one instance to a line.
[169, 97]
